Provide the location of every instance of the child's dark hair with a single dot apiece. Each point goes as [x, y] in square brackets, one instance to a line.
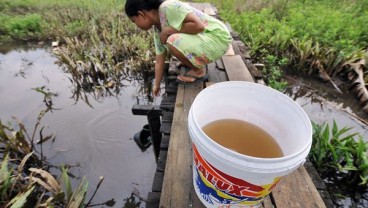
[133, 6]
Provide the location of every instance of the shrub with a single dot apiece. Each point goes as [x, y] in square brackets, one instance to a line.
[22, 27]
[334, 30]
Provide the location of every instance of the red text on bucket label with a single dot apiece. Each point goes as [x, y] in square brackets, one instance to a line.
[232, 188]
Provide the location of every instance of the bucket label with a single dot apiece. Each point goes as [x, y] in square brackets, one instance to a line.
[219, 188]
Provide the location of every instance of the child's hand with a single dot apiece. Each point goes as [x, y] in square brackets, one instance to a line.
[156, 91]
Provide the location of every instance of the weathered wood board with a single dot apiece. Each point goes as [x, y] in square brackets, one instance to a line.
[177, 185]
[236, 69]
[297, 190]
[294, 190]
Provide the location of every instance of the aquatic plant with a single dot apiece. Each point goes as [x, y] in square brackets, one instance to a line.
[99, 46]
[36, 187]
[339, 155]
[273, 72]
[115, 51]
[25, 180]
[317, 37]
[358, 77]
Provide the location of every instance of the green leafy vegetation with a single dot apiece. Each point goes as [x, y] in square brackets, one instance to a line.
[50, 20]
[315, 36]
[115, 50]
[273, 72]
[336, 151]
[96, 43]
[22, 27]
[36, 187]
[341, 159]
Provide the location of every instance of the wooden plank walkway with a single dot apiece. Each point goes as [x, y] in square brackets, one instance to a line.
[173, 183]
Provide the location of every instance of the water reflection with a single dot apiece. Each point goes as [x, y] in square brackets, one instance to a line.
[98, 86]
[131, 202]
[94, 141]
[324, 104]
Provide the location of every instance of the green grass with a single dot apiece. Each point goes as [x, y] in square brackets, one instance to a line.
[22, 27]
[30, 20]
[313, 35]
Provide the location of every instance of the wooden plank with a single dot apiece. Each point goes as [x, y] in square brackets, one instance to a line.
[154, 126]
[161, 161]
[169, 99]
[195, 5]
[216, 75]
[294, 190]
[240, 49]
[230, 51]
[167, 116]
[209, 84]
[167, 106]
[267, 202]
[171, 89]
[167, 187]
[320, 185]
[153, 199]
[157, 181]
[177, 185]
[165, 142]
[209, 11]
[196, 203]
[143, 110]
[220, 64]
[236, 69]
[165, 127]
[208, 5]
[297, 190]
[214, 8]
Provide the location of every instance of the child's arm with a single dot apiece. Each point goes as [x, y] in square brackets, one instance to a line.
[159, 71]
[191, 25]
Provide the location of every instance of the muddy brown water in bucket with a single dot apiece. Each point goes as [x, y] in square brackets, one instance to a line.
[243, 137]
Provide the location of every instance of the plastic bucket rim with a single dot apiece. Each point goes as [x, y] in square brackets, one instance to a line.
[284, 166]
[243, 156]
[238, 155]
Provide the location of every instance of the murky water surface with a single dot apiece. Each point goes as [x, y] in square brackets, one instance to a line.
[323, 103]
[96, 141]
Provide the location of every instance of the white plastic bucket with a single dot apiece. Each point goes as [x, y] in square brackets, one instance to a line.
[225, 178]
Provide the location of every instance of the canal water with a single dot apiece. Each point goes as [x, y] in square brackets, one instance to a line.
[95, 139]
[324, 104]
[94, 133]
